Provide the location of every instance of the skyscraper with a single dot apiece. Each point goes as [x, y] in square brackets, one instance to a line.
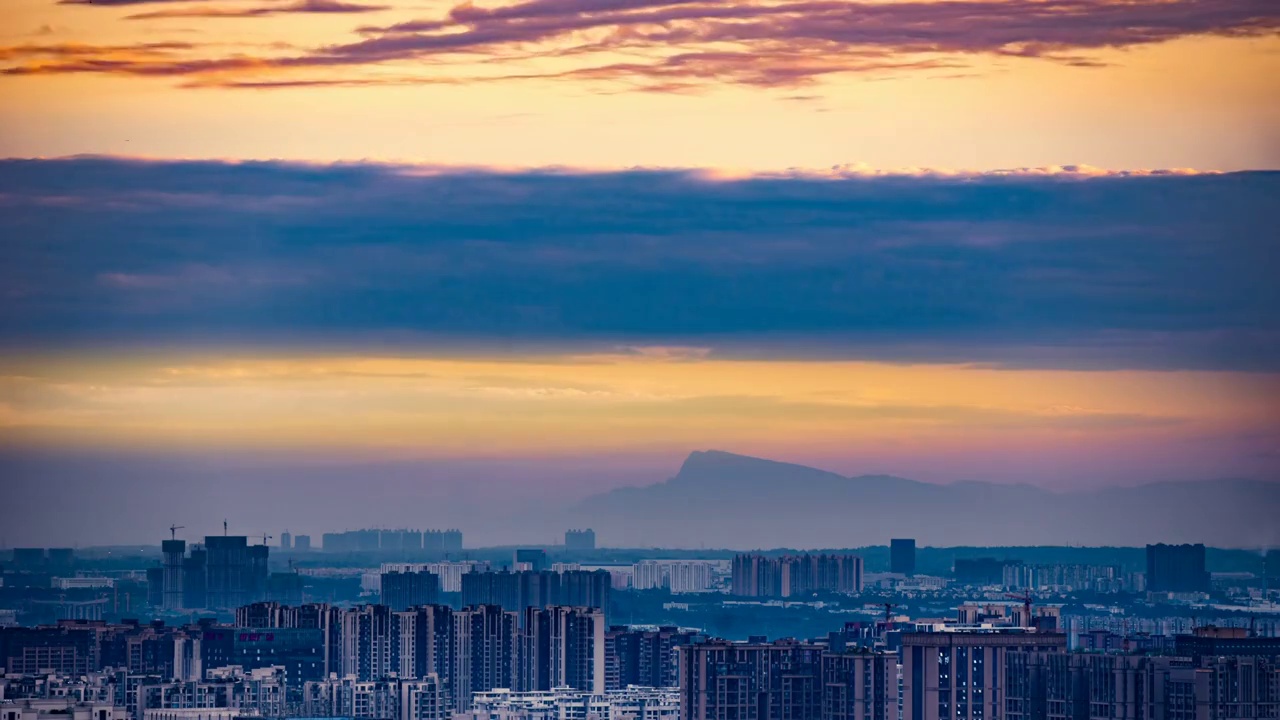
[403, 590]
[175, 555]
[1176, 568]
[485, 651]
[580, 540]
[563, 647]
[231, 570]
[902, 556]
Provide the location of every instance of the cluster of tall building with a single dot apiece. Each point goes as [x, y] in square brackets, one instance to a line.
[580, 540]
[756, 575]
[677, 576]
[645, 656]
[432, 543]
[412, 542]
[1065, 577]
[223, 572]
[537, 588]
[785, 679]
[450, 572]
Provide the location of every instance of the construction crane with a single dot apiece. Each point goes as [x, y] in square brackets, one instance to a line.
[888, 614]
[1026, 606]
[266, 537]
[173, 531]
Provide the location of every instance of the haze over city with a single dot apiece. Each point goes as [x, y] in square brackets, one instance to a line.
[639, 359]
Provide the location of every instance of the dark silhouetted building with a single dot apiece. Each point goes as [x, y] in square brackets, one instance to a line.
[1176, 568]
[981, 571]
[236, 573]
[535, 558]
[174, 553]
[519, 590]
[902, 556]
[580, 540]
[442, 543]
[285, 588]
[404, 590]
[302, 543]
[28, 558]
[195, 579]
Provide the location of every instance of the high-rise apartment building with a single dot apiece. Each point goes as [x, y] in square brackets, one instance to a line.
[645, 656]
[286, 541]
[756, 575]
[449, 572]
[982, 571]
[859, 685]
[302, 543]
[442, 543]
[223, 573]
[752, 681]
[957, 674]
[174, 554]
[404, 590]
[580, 540]
[236, 573]
[1176, 568]
[426, 642]
[485, 651]
[519, 590]
[785, 680]
[678, 576]
[1061, 686]
[902, 556]
[563, 647]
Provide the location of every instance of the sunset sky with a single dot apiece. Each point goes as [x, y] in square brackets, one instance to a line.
[1008, 240]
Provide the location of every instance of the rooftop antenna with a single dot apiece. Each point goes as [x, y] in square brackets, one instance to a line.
[173, 531]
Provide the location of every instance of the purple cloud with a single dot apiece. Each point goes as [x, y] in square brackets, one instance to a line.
[302, 7]
[687, 43]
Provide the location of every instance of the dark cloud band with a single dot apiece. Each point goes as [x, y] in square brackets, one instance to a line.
[1163, 271]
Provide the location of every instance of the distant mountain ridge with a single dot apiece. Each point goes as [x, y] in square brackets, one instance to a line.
[720, 499]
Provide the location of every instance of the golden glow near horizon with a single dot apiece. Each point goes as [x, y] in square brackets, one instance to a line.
[422, 406]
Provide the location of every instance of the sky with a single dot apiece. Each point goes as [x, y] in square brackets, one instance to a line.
[511, 255]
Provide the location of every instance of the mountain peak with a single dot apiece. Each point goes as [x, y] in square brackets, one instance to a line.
[719, 466]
